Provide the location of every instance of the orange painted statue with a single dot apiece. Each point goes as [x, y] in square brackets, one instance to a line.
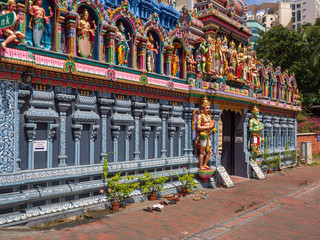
[203, 126]
[11, 34]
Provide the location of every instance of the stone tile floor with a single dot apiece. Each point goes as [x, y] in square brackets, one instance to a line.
[284, 206]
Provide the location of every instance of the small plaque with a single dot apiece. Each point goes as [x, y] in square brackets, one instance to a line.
[257, 171]
[318, 138]
[226, 138]
[225, 177]
[40, 145]
[238, 140]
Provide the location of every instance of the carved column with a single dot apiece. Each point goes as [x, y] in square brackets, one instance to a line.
[180, 134]
[63, 105]
[164, 113]
[137, 112]
[70, 20]
[156, 140]
[51, 132]
[93, 134]
[172, 132]
[31, 134]
[188, 146]
[215, 144]
[127, 136]
[77, 128]
[109, 42]
[284, 132]
[146, 134]
[115, 138]
[276, 132]
[142, 55]
[60, 20]
[105, 108]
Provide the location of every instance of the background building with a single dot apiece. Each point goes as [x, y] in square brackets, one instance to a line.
[255, 28]
[271, 14]
[304, 11]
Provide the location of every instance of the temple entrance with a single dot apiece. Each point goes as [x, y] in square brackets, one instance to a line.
[232, 152]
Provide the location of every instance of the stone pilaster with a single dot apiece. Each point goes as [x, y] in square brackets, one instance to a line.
[164, 113]
[77, 129]
[137, 113]
[30, 129]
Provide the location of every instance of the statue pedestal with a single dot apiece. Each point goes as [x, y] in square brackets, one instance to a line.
[205, 174]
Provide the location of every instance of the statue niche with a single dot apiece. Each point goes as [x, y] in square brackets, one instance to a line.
[86, 29]
[152, 49]
[39, 30]
[123, 44]
[177, 60]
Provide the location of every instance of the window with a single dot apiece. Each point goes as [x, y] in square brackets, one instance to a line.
[271, 19]
[294, 27]
[264, 19]
[304, 3]
[298, 16]
[293, 19]
[298, 5]
[293, 6]
[293, 14]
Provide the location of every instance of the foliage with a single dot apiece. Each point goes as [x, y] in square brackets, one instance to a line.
[187, 180]
[290, 51]
[265, 155]
[120, 187]
[310, 32]
[309, 125]
[105, 165]
[271, 163]
[152, 184]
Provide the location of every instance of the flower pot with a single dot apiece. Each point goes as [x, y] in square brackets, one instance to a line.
[205, 174]
[184, 190]
[152, 196]
[115, 206]
[269, 171]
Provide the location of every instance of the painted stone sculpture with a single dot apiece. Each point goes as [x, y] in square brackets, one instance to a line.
[37, 21]
[218, 57]
[175, 63]
[151, 50]
[203, 50]
[203, 127]
[10, 33]
[85, 35]
[255, 128]
[123, 48]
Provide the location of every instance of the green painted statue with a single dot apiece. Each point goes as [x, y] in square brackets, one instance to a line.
[255, 128]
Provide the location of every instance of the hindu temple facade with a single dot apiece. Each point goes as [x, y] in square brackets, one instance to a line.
[92, 77]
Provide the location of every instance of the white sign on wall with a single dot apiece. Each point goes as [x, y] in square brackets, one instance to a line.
[40, 145]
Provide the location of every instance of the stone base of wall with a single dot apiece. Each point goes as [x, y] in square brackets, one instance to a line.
[309, 137]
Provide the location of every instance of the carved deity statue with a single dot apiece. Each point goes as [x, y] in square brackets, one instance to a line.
[175, 63]
[218, 57]
[224, 50]
[210, 47]
[10, 33]
[255, 128]
[232, 60]
[203, 50]
[203, 127]
[191, 63]
[123, 48]
[85, 35]
[37, 21]
[151, 50]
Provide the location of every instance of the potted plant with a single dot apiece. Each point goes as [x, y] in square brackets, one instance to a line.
[151, 184]
[187, 181]
[118, 187]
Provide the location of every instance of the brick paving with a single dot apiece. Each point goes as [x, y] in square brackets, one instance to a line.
[284, 206]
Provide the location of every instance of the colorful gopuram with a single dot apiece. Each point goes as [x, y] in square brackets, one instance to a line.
[80, 79]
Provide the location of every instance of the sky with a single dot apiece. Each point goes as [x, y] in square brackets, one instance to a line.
[250, 2]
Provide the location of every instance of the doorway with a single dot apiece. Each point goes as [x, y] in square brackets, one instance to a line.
[233, 156]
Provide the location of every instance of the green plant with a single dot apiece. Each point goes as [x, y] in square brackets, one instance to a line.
[105, 165]
[273, 162]
[265, 155]
[187, 180]
[119, 187]
[152, 184]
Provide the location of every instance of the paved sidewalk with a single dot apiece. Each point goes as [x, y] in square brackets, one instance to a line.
[284, 206]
